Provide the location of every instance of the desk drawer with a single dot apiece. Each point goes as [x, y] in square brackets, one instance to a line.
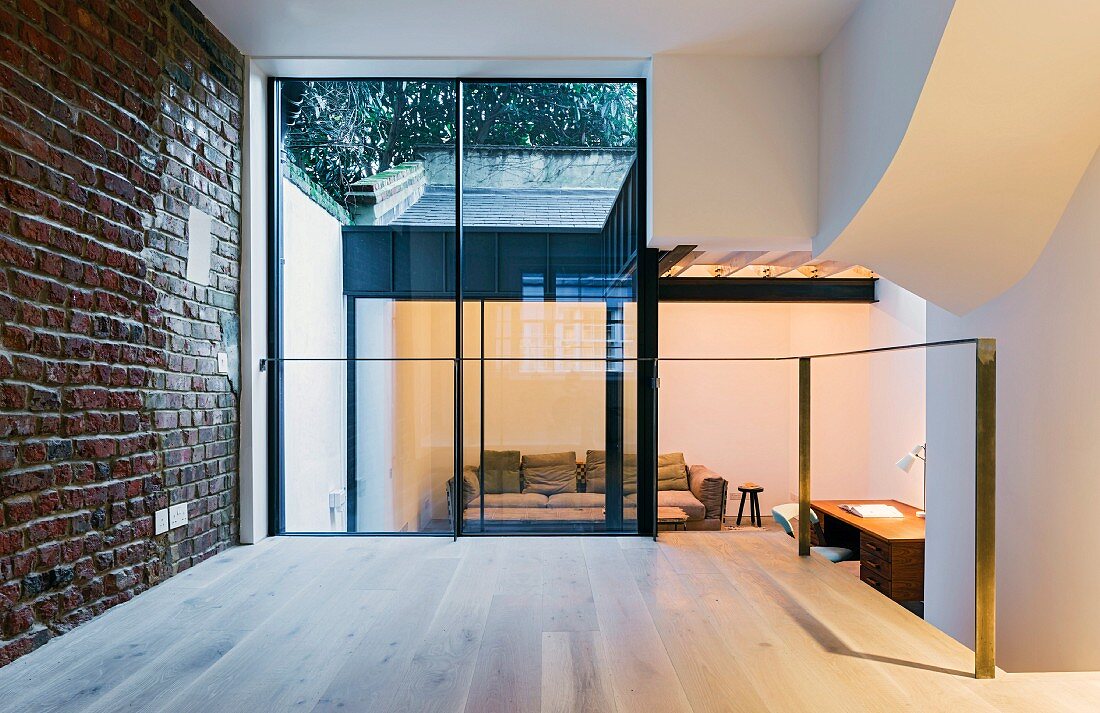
[875, 580]
[870, 563]
[874, 547]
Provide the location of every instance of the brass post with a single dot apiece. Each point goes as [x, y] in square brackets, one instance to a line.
[803, 456]
[985, 502]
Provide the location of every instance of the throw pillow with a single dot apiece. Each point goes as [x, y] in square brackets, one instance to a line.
[471, 488]
[671, 459]
[550, 473]
[501, 471]
[595, 471]
[630, 473]
[672, 472]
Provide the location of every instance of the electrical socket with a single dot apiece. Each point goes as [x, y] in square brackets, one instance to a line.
[177, 515]
[162, 521]
[337, 499]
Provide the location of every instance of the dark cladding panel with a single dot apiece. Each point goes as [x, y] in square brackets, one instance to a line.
[479, 270]
[577, 266]
[396, 262]
[522, 265]
[368, 262]
[420, 262]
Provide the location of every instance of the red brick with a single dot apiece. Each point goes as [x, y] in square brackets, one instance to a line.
[17, 621]
[114, 406]
[18, 510]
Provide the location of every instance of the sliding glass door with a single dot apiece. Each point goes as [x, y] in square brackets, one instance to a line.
[455, 319]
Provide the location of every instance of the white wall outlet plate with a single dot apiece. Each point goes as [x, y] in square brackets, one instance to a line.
[223, 363]
[177, 515]
[161, 526]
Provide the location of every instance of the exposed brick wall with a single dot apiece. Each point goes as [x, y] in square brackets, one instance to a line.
[116, 116]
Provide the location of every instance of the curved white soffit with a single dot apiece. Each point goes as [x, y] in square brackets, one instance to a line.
[1006, 124]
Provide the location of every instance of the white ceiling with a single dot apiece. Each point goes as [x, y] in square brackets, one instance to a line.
[526, 28]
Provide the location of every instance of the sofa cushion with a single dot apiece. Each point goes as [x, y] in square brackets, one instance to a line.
[708, 488]
[630, 506]
[630, 473]
[550, 473]
[672, 477]
[511, 500]
[471, 488]
[525, 516]
[671, 459]
[684, 500]
[595, 472]
[501, 469]
[576, 500]
[672, 472]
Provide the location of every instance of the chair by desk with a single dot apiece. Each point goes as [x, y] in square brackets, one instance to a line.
[891, 550]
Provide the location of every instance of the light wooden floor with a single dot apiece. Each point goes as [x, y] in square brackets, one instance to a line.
[698, 622]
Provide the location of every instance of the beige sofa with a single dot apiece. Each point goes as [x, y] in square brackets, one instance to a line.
[555, 492]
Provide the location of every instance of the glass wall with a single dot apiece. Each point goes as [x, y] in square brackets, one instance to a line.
[400, 412]
[546, 177]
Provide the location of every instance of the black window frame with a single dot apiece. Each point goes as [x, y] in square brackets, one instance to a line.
[645, 267]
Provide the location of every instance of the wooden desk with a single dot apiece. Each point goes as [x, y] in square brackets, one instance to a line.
[891, 550]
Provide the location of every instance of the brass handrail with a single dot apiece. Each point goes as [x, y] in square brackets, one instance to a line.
[985, 484]
[985, 462]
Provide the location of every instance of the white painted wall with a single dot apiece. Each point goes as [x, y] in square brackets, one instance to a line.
[896, 395]
[839, 405]
[1048, 492]
[374, 394]
[734, 151]
[253, 442]
[315, 392]
[1006, 123]
[871, 77]
[734, 417]
[740, 418]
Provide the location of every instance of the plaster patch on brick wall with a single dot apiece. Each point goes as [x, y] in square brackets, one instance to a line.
[231, 343]
[198, 246]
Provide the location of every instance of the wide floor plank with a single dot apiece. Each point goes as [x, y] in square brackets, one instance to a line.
[641, 672]
[576, 677]
[508, 675]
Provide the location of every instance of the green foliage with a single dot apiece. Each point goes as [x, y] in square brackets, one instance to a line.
[340, 132]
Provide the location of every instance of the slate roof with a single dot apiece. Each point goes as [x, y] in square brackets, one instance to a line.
[504, 208]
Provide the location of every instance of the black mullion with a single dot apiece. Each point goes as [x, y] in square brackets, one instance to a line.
[460, 376]
[646, 276]
[613, 418]
[481, 425]
[276, 518]
[352, 486]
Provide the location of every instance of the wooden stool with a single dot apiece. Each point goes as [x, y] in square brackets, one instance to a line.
[752, 492]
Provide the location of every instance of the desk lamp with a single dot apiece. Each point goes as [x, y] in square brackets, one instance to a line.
[906, 464]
